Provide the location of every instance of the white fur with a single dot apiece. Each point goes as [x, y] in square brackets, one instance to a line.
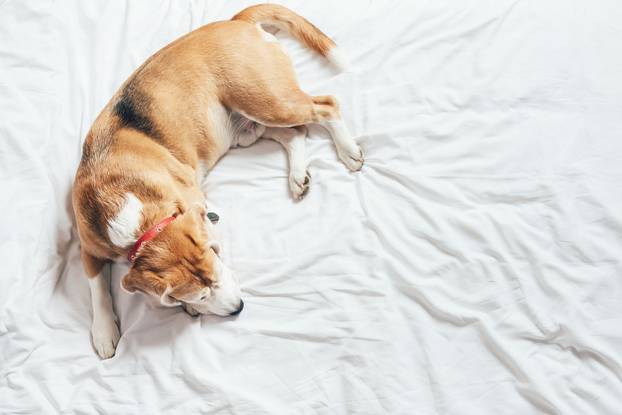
[338, 59]
[222, 127]
[293, 140]
[123, 227]
[104, 330]
[225, 297]
[348, 151]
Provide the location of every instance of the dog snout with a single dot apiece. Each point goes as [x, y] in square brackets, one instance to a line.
[238, 310]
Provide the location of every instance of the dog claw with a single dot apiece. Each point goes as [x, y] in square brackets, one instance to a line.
[299, 186]
[353, 158]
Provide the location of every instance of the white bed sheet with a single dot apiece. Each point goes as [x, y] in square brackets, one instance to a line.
[471, 267]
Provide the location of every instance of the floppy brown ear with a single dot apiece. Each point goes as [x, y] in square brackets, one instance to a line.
[149, 283]
[129, 282]
[144, 281]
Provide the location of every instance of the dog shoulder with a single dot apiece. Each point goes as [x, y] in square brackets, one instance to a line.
[109, 216]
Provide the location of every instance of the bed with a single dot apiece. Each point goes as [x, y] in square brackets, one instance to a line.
[471, 267]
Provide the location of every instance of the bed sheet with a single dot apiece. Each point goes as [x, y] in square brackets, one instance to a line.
[471, 267]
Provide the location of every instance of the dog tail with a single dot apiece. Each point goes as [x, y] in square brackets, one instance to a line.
[299, 27]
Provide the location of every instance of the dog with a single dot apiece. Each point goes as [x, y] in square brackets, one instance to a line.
[137, 194]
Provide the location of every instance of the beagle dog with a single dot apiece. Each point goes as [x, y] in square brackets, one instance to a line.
[137, 195]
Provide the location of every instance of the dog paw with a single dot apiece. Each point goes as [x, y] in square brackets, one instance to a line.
[105, 333]
[352, 157]
[190, 310]
[299, 184]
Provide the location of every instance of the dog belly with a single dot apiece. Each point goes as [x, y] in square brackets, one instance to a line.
[227, 129]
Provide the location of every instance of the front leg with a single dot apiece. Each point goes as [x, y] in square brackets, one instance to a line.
[293, 140]
[104, 330]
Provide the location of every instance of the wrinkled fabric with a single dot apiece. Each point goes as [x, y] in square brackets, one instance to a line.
[471, 267]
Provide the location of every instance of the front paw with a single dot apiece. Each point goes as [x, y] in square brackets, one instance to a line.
[299, 184]
[105, 334]
[188, 308]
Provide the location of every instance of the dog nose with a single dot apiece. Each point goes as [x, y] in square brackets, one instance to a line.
[239, 310]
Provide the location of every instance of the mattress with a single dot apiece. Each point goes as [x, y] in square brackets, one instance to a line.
[471, 267]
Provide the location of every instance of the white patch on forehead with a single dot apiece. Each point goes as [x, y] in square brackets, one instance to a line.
[268, 37]
[122, 228]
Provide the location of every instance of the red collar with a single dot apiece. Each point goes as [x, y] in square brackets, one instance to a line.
[147, 236]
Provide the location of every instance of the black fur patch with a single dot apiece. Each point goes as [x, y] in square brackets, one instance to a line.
[133, 110]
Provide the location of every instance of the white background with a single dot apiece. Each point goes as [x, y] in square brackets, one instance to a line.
[471, 267]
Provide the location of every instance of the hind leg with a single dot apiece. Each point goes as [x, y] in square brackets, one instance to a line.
[268, 93]
[348, 151]
[293, 141]
[298, 108]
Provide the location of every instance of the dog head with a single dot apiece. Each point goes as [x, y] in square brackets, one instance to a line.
[182, 265]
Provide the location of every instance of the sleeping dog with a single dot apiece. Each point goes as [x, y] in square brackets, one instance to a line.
[137, 191]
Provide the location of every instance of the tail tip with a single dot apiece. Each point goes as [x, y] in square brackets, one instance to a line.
[336, 57]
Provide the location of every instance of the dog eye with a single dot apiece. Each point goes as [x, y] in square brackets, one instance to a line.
[203, 297]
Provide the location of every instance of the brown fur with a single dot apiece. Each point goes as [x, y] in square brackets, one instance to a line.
[160, 264]
[298, 26]
[154, 131]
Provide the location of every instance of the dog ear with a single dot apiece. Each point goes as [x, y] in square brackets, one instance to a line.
[144, 281]
[130, 282]
[149, 283]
